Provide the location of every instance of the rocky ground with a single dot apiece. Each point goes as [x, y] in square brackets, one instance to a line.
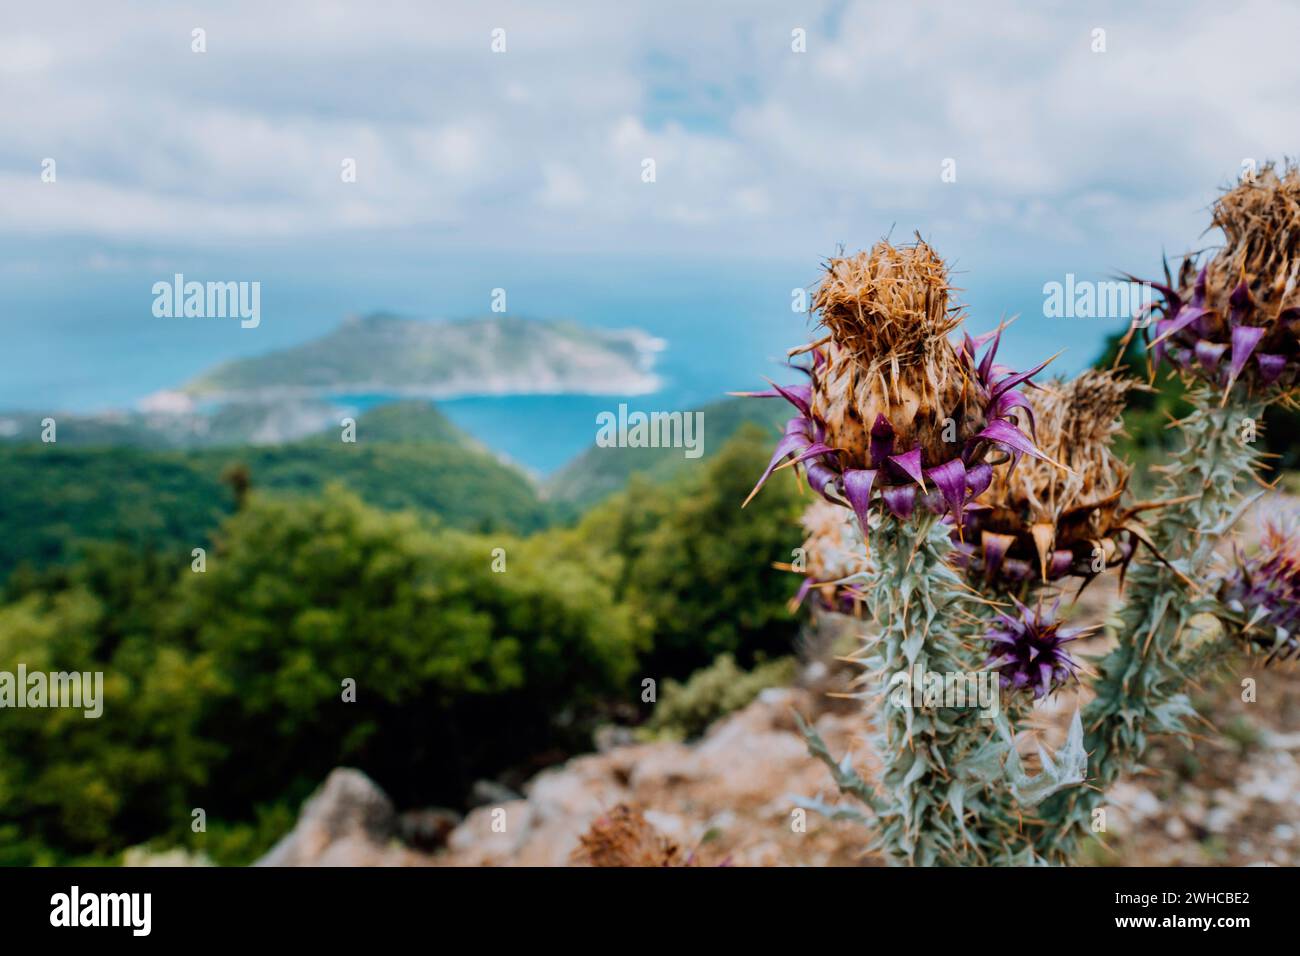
[1231, 799]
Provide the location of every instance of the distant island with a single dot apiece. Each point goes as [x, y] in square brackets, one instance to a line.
[291, 393]
[494, 355]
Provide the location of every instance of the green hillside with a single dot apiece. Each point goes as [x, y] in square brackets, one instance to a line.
[407, 455]
[599, 472]
[414, 420]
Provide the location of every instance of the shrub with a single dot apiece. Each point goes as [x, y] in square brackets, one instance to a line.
[686, 710]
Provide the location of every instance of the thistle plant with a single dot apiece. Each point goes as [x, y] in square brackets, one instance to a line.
[1229, 328]
[1237, 320]
[977, 493]
[905, 427]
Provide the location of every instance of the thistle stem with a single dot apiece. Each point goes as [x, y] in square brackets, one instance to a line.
[935, 776]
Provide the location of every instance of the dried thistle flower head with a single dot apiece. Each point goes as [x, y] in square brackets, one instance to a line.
[1264, 589]
[1037, 520]
[895, 410]
[833, 552]
[622, 838]
[1238, 319]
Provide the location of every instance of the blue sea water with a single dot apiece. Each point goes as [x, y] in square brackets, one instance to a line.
[82, 337]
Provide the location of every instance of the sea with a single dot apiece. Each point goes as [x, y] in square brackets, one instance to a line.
[77, 333]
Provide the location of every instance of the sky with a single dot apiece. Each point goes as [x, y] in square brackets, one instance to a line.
[1067, 149]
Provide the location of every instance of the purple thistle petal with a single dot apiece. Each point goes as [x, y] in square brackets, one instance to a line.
[882, 441]
[931, 499]
[1185, 317]
[950, 477]
[1061, 562]
[1198, 292]
[813, 450]
[1240, 300]
[804, 588]
[1244, 340]
[1004, 433]
[1208, 353]
[1045, 681]
[910, 464]
[1007, 401]
[979, 478]
[900, 499]
[995, 547]
[793, 440]
[857, 489]
[820, 477]
[1270, 366]
[1158, 347]
[800, 396]
[986, 364]
[968, 347]
[1012, 381]
[1017, 570]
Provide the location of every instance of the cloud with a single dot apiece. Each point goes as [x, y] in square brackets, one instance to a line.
[756, 147]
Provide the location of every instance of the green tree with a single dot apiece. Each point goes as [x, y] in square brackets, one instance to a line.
[73, 785]
[697, 569]
[458, 668]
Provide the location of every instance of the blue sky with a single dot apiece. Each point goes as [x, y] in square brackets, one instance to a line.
[1067, 159]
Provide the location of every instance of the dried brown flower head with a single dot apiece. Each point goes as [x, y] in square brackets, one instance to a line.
[1238, 318]
[623, 837]
[896, 409]
[1040, 520]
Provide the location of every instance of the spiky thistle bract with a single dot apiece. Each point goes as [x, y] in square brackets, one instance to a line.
[1028, 649]
[1262, 592]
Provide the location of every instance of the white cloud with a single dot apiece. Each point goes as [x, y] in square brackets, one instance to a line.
[754, 144]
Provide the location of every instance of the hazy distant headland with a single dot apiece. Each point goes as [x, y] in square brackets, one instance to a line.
[294, 392]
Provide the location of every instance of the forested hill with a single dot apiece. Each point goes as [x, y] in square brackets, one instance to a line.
[407, 455]
[599, 472]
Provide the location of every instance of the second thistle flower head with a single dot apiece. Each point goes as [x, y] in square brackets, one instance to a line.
[1028, 649]
[1264, 589]
[1238, 318]
[1038, 520]
[895, 410]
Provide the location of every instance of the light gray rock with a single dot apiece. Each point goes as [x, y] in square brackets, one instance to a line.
[349, 821]
[490, 793]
